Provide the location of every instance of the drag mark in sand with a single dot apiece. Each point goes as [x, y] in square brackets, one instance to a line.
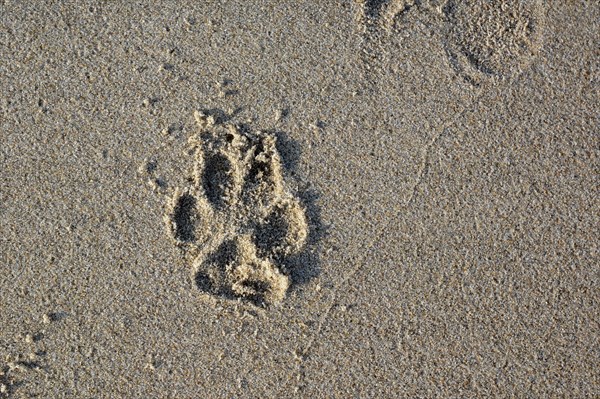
[304, 352]
[238, 221]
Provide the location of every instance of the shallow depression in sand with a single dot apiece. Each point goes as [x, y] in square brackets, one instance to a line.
[498, 38]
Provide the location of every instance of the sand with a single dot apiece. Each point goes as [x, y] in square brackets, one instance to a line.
[260, 199]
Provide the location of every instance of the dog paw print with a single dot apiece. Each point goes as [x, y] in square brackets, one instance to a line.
[238, 219]
[483, 39]
[493, 39]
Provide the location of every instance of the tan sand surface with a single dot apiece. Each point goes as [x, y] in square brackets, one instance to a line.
[312, 199]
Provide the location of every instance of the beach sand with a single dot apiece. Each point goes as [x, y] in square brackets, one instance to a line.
[273, 199]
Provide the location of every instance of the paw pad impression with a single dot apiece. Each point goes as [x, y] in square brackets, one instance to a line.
[238, 220]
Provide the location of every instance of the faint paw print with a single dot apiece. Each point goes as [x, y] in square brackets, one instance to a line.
[483, 39]
[238, 219]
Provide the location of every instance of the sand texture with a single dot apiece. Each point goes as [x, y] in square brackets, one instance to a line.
[299, 199]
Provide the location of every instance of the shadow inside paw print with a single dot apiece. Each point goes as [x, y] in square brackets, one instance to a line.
[183, 216]
[243, 227]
